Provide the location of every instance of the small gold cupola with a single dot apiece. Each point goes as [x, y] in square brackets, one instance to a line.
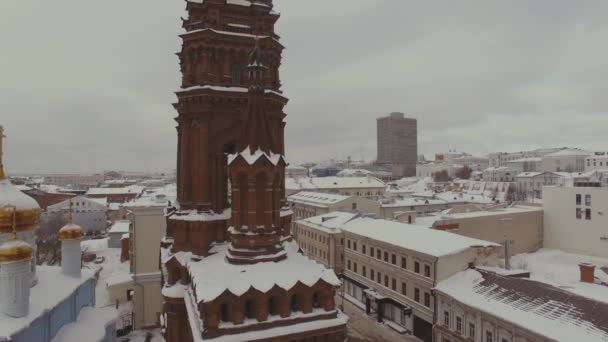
[70, 231]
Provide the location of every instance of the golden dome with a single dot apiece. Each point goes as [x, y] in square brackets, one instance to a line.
[12, 200]
[70, 231]
[15, 251]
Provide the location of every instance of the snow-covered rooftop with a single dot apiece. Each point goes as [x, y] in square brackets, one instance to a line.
[312, 183]
[91, 322]
[53, 287]
[316, 198]
[154, 197]
[263, 276]
[569, 152]
[535, 306]
[10, 195]
[193, 215]
[561, 269]
[517, 209]
[413, 237]
[120, 227]
[133, 189]
[330, 222]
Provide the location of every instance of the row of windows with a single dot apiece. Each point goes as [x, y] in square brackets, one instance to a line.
[579, 199]
[470, 332]
[388, 257]
[389, 283]
[579, 214]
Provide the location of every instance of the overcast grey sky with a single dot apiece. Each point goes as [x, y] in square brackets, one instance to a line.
[88, 85]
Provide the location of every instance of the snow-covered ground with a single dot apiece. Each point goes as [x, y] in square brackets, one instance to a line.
[111, 268]
[140, 336]
[561, 269]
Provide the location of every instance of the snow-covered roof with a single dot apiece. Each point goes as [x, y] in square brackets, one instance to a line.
[413, 237]
[411, 201]
[330, 222]
[316, 198]
[251, 158]
[569, 152]
[526, 160]
[561, 269]
[312, 183]
[263, 276]
[100, 200]
[91, 322]
[154, 197]
[53, 288]
[540, 308]
[133, 189]
[9, 195]
[193, 215]
[120, 227]
[499, 211]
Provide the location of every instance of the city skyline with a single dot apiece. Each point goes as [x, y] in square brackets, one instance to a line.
[528, 71]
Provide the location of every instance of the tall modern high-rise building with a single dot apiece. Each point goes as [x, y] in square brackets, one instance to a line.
[398, 143]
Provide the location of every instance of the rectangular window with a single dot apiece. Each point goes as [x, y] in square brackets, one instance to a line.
[364, 271]
[587, 214]
[355, 267]
[378, 254]
[348, 264]
[427, 271]
[404, 289]
[371, 252]
[489, 337]
[371, 275]
[588, 200]
[363, 249]
[446, 318]
[394, 259]
[578, 199]
[348, 244]
[472, 331]
[403, 262]
[394, 284]
[579, 213]
[385, 256]
[459, 324]
[427, 299]
[385, 281]
[417, 294]
[379, 280]
[417, 267]
[354, 245]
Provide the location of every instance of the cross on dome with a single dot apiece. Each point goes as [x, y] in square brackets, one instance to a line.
[2, 136]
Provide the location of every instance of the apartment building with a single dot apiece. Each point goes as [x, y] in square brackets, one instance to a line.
[575, 219]
[596, 161]
[391, 268]
[521, 225]
[566, 160]
[368, 187]
[499, 174]
[307, 204]
[530, 184]
[321, 239]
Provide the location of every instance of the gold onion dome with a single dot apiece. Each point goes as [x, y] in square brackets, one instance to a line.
[15, 251]
[25, 208]
[70, 231]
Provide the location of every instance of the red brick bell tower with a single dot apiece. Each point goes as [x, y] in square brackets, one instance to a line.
[230, 268]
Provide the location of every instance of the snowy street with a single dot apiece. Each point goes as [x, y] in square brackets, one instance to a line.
[364, 328]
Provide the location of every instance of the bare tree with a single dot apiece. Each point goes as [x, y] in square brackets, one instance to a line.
[464, 172]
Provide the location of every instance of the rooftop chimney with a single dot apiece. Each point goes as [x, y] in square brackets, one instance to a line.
[587, 272]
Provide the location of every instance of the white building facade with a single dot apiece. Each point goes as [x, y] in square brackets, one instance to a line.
[90, 214]
[575, 220]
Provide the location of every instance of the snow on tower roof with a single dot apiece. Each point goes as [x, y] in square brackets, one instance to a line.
[540, 308]
[263, 276]
[10, 195]
[251, 158]
[413, 237]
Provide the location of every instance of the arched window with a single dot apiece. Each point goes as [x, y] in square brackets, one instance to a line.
[250, 309]
[261, 181]
[224, 314]
[272, 307]
[296, 303]
[316, 300]
[236, 74]
[243, 193]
